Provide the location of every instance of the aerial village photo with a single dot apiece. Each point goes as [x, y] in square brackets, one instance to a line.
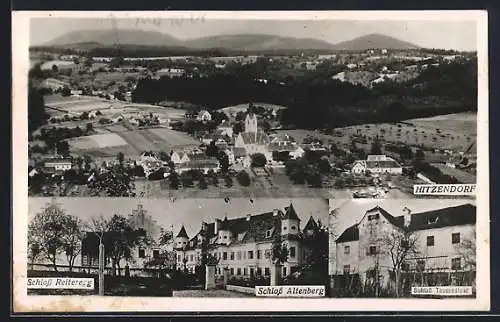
[202, 107]
[384, 248]
[183, 248]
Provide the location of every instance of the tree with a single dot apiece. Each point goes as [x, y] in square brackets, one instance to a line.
[115, 182]
[164, 156]
[258, 160]
[119, 240]
[223, 159]
[324, 166]
[65, 91]
[45, 231]
[120, 157]
[399, 244]
[73, 235]
[212, 149]
[279, 250]
[243, 178]
[36, 109]
[376, 147]
[419, 155]
[55, 69]
[174, 180]
[89, 127]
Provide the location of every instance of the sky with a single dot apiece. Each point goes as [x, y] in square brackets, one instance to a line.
[351, 211]
[187, 212]
[444, 34]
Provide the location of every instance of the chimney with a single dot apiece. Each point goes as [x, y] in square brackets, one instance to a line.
[407, 216]
[275, 212]
[216, 226]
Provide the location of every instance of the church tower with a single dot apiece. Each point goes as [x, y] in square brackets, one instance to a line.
[251, 120]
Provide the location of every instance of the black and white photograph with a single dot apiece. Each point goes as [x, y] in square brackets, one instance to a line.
[184, 248]
[385, 248]
[256, 161]
[207, 107]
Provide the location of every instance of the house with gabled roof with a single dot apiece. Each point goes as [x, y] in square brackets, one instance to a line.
[440, 237]
[243, 245]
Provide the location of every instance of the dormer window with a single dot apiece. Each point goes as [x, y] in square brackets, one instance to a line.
[433, 220]
[293, 227]
[268, 233]
[225, 237]
[284, 228]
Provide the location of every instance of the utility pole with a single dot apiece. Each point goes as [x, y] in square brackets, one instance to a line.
[101, 267]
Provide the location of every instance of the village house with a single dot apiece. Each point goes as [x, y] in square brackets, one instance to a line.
[243, 245]
[377, 164]
[171, 72]
[204, 116]
[140, 254]
[58, 164]
[438, 241]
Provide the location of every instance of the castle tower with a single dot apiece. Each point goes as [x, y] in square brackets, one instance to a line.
[223, 231]
[290, 222]
[181, 239]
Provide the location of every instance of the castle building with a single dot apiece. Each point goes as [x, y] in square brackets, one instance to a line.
[244, 245]
[253, 139]
[442, 241]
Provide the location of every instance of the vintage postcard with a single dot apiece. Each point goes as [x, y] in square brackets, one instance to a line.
[212, 155]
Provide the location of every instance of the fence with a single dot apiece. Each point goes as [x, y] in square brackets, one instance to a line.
[94, 270]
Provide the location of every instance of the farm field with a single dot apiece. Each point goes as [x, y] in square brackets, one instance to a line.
[130, 143]
[455, 131]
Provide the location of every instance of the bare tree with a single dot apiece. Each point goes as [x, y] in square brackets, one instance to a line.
[72, 237]
[399, 244]
[467, 249]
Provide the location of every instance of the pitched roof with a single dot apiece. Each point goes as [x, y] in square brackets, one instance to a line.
[350, 234]
[254, 138]
[445, 217]
[311, 224]
[182, 232]
[290, 213]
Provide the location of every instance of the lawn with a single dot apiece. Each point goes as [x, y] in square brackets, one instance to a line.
[97, 141]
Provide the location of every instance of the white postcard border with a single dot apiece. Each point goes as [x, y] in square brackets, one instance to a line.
[23, 303]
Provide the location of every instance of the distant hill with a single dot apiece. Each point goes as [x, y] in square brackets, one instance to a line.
[374, 41]
[115, 37]
[88, 39]
[250, 42]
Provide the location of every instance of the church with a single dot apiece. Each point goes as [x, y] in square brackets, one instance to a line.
[253, 140]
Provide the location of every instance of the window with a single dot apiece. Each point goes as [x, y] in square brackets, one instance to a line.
[238, 255]
[430, 240]
[191, 258]
[238, 271]
[268, 233]
[259, 254]
[142, 253]
[420, 265]
[455, 238]
[251, 271]
[405, 267]
[179, 258]
[347, 250]
[284, 228]
[224, 256]
[373, 217]
[231, 256]
[347, 269]
[293, 227]
[267, 253]
[456, 263]
[231, 271]
[225, 237]
[244, 271]
[250, 254]
[372, 250]
[284, 271]
[259, 271]
[156, 253]
[266, 271]
[292, 252]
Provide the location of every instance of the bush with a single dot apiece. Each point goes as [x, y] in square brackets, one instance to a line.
[258, 160]
[243, 178]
